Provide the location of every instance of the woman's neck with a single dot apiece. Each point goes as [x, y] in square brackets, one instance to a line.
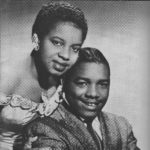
[45, 79]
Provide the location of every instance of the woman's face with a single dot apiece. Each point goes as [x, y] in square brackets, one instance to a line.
[59, 48]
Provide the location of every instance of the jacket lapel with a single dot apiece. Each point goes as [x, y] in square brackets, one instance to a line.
[103, 129]
[110, 134]
[109, 130]
[78, 129]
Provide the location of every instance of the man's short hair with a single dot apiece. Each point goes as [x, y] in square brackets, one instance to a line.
[54, 12]
[88, 55]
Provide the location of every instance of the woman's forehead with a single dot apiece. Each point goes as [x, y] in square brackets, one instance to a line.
[67, 31]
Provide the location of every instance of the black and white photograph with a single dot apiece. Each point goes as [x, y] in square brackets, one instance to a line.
[74, 75]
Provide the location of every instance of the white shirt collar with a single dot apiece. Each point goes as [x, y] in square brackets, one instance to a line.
[95, 123]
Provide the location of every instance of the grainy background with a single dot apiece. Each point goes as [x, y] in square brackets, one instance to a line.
[119, 29]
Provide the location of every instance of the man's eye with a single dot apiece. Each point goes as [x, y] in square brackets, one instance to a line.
[81, 84]
[57, 43]
[104, 85]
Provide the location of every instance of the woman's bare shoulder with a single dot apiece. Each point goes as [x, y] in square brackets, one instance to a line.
[10, 75]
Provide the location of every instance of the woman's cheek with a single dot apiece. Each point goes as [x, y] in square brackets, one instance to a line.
[73, 59]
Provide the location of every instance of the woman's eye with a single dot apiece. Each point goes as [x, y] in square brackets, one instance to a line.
[57, 43]
[76, 49]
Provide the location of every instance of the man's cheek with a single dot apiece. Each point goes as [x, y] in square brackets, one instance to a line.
[78, 92]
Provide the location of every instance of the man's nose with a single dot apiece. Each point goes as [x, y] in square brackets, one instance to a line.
[92, 92]
[64, 54]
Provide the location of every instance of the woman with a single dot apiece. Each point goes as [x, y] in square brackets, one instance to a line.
[58, 32]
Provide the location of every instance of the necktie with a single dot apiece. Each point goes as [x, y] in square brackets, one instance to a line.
[94, 135]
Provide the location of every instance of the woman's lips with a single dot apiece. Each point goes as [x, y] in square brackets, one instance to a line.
[59, 67]
[63, 63]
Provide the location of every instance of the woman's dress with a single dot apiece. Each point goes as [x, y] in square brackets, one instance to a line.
[17, 111]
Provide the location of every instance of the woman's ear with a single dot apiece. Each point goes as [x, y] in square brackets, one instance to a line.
[35, 42]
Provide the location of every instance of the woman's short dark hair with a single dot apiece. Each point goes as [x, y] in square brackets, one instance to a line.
[54, 12]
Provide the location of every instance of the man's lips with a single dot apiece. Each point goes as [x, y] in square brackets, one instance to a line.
[91, 104]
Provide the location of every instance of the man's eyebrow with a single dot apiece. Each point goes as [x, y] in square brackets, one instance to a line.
[81, 78]
[105, 80]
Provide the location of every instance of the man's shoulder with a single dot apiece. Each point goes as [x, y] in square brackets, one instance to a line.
[116, 120]
[53, 119]
[59, 124]
[111, 115]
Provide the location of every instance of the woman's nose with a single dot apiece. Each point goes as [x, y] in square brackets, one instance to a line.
[64, 54]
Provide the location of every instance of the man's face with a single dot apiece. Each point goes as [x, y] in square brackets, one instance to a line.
[87, 89]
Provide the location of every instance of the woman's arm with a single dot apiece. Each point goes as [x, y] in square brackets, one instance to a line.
[39, 136]
[53, 144]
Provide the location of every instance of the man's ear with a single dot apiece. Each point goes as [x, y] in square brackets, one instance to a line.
[35, 42]
[62, 84]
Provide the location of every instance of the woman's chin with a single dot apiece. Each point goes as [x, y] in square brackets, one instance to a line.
[56, 72]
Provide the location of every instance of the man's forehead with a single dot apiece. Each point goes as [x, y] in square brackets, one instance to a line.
[90, 70]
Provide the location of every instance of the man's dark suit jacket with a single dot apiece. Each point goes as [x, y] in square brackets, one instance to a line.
[64, 131]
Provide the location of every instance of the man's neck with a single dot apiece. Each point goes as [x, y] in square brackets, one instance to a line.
[70, 109]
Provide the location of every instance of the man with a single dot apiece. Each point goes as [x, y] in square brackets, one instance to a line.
[79, 122]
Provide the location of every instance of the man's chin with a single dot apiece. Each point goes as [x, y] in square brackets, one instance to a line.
[89, 115]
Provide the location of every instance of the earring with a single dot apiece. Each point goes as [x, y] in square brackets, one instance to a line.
[35, 42]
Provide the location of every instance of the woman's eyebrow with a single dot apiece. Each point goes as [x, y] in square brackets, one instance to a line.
[57, 37]
[78, 44]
